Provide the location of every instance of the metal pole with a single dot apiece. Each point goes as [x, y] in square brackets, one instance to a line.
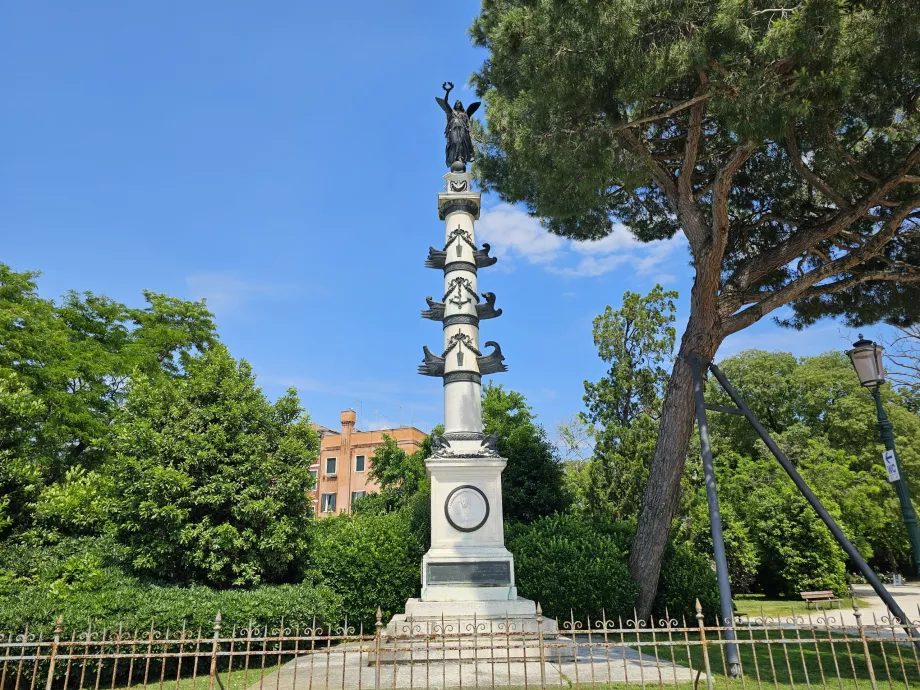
[886, 431]
[715, 519]
[819, 509]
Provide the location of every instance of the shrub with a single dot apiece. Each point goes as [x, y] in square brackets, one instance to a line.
[370, 560]
[211, 480]
[77, 580]
[573, 567]
[137, 606]
[686, 575]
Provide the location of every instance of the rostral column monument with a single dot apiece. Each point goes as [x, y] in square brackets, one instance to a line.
[467, 571]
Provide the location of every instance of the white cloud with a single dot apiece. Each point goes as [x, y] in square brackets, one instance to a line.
[514, 234]
[590, 266]
[621, 239]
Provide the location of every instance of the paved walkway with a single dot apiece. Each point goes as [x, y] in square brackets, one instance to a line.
[337, 671]
[907, 597]
[874, 612]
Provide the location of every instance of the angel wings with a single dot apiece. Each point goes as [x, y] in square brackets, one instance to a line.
[459, 150]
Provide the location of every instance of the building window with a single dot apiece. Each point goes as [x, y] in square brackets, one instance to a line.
[359, 463]
[315, 475]
[328, 503]
[357, 494]
[330, 465]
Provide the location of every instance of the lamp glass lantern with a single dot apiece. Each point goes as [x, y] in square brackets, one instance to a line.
[866, 357]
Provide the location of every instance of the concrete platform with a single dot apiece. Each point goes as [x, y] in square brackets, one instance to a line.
[338, 668]
[484, 617]
[472, 649]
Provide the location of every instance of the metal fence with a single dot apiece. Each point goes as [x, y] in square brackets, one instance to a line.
[812, 650]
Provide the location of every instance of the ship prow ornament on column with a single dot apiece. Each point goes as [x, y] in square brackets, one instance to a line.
[467, 572]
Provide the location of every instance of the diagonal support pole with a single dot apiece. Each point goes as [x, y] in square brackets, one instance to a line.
[832, 525]
[715, 518]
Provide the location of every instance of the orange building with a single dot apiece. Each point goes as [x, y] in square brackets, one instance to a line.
[345, 461]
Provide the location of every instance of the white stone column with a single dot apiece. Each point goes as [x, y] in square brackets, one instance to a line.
[462, 380]
[467, 571]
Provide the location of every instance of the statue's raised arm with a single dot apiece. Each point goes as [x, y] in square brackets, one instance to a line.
[459, 150]
[448, 87]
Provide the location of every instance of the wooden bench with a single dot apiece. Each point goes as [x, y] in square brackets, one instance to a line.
[818, 597]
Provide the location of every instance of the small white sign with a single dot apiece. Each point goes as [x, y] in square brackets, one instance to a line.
[891, 465]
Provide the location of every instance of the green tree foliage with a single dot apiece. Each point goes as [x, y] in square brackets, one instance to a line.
[371, 560]
[211, 480]
[404, 485]
[624, 406]
[555, 556]
[401, 475]
[825, 423]
[573, 566]
[781, 138]
[64, 369]
[532, 482]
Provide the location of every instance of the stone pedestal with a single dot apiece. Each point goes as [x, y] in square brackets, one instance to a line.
[468, 560]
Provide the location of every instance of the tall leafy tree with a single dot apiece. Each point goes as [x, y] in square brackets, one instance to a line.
[64, 368]
[824, 421]
[532, 482]
[399, 474]
[624, 406]
[780, 137]
[211, 480]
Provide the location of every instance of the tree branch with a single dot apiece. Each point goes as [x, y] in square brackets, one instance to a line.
[755, 268]
[694, 133]
[792, 148]
[634, 123]
[660, 173]
[856, 279]
[798, 288]
[720, 192]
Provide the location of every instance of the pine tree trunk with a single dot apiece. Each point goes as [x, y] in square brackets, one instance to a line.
[662, 494]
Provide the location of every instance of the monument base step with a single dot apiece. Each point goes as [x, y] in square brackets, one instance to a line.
[472, 649]
[484, 617]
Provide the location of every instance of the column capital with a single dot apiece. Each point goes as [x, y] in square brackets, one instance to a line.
[452, 203]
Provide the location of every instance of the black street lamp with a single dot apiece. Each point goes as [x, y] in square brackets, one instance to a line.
[866, 357]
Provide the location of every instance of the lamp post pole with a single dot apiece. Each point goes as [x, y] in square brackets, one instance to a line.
[886, 431]
[866, 358]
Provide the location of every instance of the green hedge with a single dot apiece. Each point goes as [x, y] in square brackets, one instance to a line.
[577, 566]
[573, 567]
[139, 607]
[371, 560]
[687, 575]
[76, 579]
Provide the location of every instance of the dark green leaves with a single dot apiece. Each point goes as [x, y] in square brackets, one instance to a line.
[212, 480]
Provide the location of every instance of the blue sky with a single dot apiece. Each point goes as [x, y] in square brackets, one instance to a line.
[282, 160]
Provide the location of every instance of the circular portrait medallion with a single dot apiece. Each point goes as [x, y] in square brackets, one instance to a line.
[466, 508]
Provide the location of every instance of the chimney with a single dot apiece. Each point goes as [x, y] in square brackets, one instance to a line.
[348, 425]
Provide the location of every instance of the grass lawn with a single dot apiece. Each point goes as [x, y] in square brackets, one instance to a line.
[790, 661]
[756, 605]
[238, 678]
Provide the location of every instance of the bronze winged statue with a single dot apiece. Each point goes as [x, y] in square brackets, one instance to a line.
[459, 150]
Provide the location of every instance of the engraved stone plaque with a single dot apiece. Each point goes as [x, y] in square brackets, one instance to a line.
[466, 508]
[481, 573]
